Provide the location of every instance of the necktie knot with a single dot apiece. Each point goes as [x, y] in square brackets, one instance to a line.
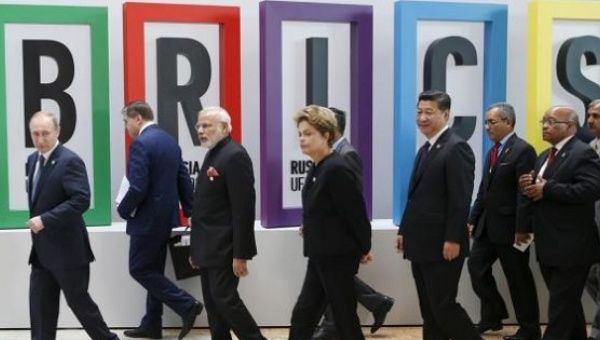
[42, 160]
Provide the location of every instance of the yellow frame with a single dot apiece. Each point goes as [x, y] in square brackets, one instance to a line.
[539, 60]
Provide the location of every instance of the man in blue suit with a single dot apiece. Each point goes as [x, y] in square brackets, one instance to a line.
[59, 194]
[158, 182]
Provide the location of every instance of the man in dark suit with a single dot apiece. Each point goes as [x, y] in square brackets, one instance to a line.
[592, 284]
[375, 302]
[433, 232]
[59, 194]
[562, 191]
[158, 182]
[222, 238]
[494, 229]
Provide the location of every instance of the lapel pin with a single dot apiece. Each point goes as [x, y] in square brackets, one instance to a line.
[438, 146]
[314, 179]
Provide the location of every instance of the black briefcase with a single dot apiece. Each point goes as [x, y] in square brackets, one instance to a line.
[180, 256]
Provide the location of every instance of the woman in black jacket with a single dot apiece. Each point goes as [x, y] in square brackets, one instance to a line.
[336, 230]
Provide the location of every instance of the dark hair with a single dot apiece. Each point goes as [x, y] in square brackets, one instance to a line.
[441, 98]
[138, 107]
[340, 116]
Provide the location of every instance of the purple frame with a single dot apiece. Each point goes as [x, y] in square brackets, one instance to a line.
[272, 13]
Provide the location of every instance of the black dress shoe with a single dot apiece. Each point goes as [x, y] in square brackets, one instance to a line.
[381, 312]
[143, 333]
[485, 326]
[325, 333]
[189, 319]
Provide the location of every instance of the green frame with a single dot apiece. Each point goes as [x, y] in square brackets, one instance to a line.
[97, 19]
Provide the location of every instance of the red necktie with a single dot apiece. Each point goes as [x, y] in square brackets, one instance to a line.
[494, 155]
[551, 157]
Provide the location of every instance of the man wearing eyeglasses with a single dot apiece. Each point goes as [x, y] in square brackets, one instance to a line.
[562, 190]
[494, 229]
[592, 284]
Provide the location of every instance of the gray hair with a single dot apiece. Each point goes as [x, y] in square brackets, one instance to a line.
[506, 111]
[50, 115]
[594, 103]
[221, 114]
[573, 117]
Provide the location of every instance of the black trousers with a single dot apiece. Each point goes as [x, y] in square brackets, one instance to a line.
[327, 280]
[44, 297]
[147, 257]
[365, 295]
[515, 265]
[566, 320]
[224, 307]
[437, 286]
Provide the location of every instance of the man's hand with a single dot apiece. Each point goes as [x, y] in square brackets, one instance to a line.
[35, 224]
[535, 191]
[240, 269]
[366, 258]
[451, 250]
[301, 231]
[526, 180]
[399, 244]
[521, 238]
[192, 262]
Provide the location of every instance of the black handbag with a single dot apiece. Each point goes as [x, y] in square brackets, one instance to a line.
[180, 254]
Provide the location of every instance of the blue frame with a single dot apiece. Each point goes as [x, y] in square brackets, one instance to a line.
[407, 14]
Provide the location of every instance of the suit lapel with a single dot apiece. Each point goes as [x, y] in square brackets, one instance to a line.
[433, 152]
[561, 155]
[30, 172]
[501, 157]
[48, 168]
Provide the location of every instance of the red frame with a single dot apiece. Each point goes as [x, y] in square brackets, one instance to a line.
[228, 18]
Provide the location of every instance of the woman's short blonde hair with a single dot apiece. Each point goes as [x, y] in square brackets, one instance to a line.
[321, 118]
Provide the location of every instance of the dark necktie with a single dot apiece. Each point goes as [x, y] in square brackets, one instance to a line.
[423, 152]
[36, 177]
[551, 157]
[494, 155]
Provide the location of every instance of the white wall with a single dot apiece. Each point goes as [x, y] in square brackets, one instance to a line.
[269, 292]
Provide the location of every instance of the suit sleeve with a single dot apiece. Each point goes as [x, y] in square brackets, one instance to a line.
[478, 207]
[77, 190]
[524, 164]
[138, 176]
[584, 185]
[460, 171]
[348, 200]
[239, 179]
[185, 190]
[353, 161]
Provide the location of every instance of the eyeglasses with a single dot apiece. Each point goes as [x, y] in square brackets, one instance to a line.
[492, 122]
[552, 122]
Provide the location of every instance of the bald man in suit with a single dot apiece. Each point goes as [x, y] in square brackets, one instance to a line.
[562, 190]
